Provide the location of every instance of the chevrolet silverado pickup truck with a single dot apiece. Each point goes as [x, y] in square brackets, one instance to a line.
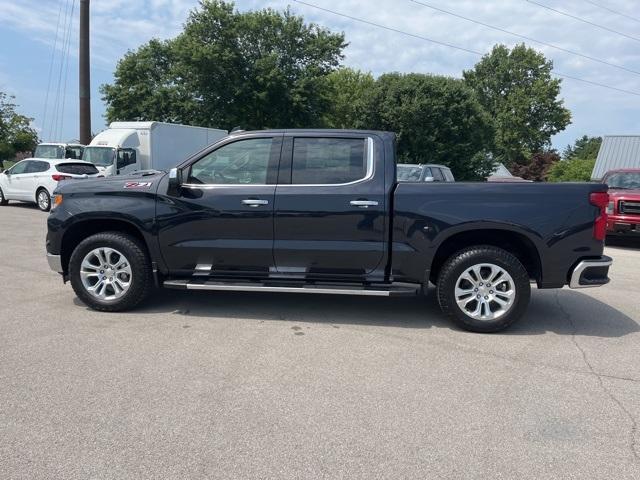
[320, 211]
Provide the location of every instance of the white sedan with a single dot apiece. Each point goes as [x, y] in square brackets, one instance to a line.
[35, 179]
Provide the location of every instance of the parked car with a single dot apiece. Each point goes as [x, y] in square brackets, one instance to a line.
[127, 147]
[624, 201]
[407, 172]
[59, 151]
[35, 179]
[320, 211]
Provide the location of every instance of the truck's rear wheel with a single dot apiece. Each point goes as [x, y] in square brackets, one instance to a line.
[110, 272]
[483, 288]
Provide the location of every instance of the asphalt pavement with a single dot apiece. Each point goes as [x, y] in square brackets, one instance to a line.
[279, 386]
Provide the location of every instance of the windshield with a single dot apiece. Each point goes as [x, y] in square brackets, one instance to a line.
[409, 173]
[100, 156]
[624, 180]
[49, 151]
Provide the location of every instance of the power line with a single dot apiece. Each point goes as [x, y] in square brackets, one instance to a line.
[63, 56]
[53, 56]
[361, 20]
[613, 11]
[456, 47]
[583, 20]
[588, 57]
[66, 73]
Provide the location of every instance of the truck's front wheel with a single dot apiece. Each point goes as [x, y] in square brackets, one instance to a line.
[110, 272]
[483, 288]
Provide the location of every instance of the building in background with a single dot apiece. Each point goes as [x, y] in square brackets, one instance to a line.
[617, 151]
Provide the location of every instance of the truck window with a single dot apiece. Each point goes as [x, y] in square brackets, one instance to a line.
[49, 151]
[448, 176]
[437, 174]
[328, 160]
[241, 162]
[74, 152]
[126, 156]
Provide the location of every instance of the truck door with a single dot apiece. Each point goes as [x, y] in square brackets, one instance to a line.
[329, 217]
[221, 223]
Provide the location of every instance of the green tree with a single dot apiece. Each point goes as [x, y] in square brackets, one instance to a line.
[255, 69]
[573, 170]
[16, 132]
[577, 162]
[584, 147]
[350, 90]
[515, 86]
[437, 119]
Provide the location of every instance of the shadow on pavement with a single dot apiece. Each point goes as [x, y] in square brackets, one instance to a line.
[564, 312]
[625, 243]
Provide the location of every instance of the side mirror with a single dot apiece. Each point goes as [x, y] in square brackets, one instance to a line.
[175, 181]
[429, 179]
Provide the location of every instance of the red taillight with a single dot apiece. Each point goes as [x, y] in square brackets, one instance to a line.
[600, 200]
[58, 178]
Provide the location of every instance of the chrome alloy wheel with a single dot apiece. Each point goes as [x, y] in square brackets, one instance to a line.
[485, 291]
[43, 200]
[106, 273]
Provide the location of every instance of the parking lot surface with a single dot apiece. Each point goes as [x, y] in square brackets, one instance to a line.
[240, 385]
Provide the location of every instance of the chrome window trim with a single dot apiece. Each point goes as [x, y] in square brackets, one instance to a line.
[368, 176]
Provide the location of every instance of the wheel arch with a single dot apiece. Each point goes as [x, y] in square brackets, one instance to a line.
[77, 232]
[513, 241]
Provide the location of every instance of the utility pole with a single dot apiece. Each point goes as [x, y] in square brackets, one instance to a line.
[85, 75]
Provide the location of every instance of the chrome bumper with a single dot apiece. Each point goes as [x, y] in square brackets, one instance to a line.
[55, 262]
[590, 273]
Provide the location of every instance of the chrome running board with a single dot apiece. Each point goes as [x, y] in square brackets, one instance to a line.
[390, 290]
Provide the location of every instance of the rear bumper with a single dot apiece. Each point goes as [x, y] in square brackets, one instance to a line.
[623, 224]
[55, 262]
[590, 273]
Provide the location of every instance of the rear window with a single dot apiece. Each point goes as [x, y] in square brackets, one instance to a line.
[77, 168]
[328, 160]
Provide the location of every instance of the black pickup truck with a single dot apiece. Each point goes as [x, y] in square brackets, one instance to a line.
[320, 211]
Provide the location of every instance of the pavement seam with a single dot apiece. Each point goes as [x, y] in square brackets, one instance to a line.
[633, 448]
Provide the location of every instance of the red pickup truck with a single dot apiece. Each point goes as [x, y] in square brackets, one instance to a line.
[624, 201]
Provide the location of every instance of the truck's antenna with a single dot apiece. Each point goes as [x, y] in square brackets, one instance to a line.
[85, 75]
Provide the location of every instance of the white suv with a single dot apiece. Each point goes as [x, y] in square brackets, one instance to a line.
[35, 179]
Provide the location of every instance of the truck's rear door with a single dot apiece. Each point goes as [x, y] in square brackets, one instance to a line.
[329, 216]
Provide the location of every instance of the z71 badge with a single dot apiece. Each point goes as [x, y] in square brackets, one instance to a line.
[138, 184]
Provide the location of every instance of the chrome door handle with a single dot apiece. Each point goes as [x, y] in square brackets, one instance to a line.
[253, 202]
[363, 203]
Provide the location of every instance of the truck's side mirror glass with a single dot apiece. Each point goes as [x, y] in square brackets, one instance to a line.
[175, 181]
[429, 179]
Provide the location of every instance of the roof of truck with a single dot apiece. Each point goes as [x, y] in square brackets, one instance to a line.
[314, 131]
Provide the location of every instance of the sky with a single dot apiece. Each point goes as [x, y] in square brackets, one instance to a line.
[30, 56]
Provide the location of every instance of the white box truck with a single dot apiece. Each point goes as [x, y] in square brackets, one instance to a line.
[126, 147]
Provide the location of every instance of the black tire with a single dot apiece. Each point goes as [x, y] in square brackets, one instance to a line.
[3, 200]
[136, 254]
[463, 260]
[44, 203]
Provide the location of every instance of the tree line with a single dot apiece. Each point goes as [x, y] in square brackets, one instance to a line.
[271, 69]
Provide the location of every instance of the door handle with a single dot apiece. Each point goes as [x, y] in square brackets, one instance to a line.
[363, 203]
[253, 202]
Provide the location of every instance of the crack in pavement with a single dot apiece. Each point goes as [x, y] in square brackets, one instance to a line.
[633, 448]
